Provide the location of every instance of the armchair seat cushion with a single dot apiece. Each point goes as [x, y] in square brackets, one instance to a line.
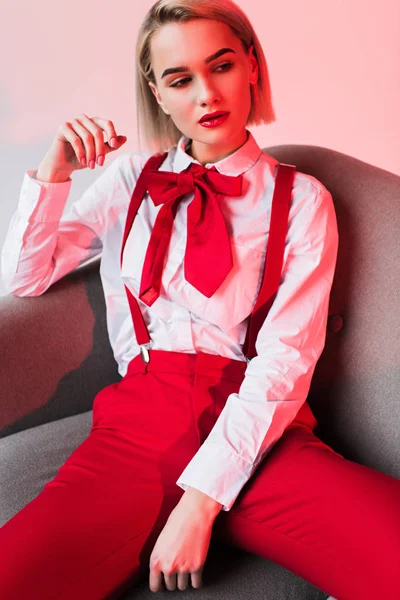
[31, 458]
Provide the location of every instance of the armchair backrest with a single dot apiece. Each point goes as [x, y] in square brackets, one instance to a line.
[355, 391]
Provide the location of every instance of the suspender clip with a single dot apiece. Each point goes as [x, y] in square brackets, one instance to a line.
[144, 351]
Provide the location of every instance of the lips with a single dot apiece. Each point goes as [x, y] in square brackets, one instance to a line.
[213, 115]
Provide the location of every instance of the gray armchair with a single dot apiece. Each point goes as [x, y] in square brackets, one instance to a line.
[55, 356]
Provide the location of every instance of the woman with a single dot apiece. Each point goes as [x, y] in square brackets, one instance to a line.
[195, 440]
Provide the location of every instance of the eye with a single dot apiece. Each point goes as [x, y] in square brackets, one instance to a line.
[229, 65]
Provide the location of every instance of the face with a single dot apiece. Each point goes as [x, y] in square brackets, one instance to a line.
[203, 86]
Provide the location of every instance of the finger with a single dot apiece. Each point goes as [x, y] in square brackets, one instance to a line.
[183, 580]
[74, 139]
[96, 128]
[90, 135]
[196, 577]
[96, 124]
[170, 581]
[108, 127]
[155, 580]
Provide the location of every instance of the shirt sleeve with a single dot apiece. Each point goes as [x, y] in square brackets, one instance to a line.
[288, 345]
[42, 245]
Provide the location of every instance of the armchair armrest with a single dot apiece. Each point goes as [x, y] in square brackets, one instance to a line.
[55, 354]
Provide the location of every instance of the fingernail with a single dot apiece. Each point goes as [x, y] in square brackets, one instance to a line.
[113, 142]
[100, 160]
[91, 164]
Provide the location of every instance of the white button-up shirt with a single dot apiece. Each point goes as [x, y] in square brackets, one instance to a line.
[43, 244]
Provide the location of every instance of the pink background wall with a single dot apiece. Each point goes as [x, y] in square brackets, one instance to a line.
[334, 69]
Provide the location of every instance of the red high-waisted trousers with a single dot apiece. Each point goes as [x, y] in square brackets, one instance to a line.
[89, 534]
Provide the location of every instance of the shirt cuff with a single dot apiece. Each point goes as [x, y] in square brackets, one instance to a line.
[41, 201]
[217, 472]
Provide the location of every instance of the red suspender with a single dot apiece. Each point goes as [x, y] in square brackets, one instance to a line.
[273, 260]
[274, 256]
[142, 334]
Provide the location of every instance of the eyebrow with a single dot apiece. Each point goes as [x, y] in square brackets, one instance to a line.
[207, 60]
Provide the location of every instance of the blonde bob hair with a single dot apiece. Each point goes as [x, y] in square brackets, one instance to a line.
[159, 131]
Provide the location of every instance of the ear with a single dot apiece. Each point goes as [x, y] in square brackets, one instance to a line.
[254, 68]
[158, 97]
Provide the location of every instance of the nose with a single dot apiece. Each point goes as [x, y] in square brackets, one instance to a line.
[207, 93]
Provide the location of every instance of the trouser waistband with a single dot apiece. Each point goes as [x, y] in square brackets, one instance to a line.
[213, 365]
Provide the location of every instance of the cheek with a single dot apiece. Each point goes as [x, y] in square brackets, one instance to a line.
[179, 103]
[238, 84]
[182, 112]
[239, 94]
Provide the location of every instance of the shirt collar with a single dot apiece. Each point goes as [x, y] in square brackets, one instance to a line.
[235, 164]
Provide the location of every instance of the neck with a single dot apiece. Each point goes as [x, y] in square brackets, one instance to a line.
[202, 159]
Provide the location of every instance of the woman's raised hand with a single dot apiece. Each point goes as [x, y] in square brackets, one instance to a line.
[79, 142]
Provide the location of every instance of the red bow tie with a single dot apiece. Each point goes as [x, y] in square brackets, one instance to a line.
[208, 256]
